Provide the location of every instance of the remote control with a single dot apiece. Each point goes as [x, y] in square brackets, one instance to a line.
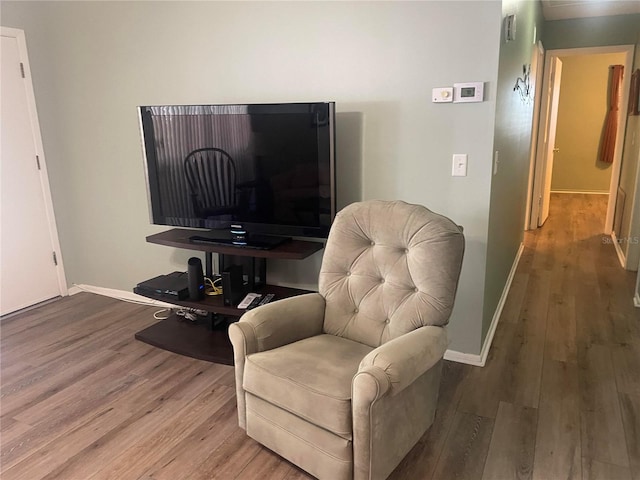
[246, 301]
[266, 299]
[254, 303]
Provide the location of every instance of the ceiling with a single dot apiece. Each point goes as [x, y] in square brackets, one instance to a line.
[563, 9]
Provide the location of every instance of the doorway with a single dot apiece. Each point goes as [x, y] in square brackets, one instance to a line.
[582, 110]
[545, 176]
[31, 263]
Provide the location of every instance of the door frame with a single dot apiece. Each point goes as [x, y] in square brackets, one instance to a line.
[37, 139]
[540, 158]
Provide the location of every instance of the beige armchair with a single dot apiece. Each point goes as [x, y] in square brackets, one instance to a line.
[344, 382]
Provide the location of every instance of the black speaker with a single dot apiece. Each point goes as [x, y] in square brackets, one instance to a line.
[232, 285]
[196, 279]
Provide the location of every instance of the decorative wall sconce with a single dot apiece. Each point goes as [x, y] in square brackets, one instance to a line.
[523, 84]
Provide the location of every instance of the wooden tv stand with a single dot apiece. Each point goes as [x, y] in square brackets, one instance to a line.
[212, 343]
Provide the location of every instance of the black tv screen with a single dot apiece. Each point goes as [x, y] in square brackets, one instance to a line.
[269, 167]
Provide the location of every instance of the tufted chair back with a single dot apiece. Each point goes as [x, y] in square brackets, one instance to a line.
[389, 268]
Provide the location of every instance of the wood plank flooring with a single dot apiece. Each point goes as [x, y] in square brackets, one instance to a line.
[559, 397]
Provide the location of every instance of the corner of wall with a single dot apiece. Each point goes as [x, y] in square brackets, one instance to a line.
[512, 139]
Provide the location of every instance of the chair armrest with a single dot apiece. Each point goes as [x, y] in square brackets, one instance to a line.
[399, 362]
[270, 326]
[279, 323]
[394, 398]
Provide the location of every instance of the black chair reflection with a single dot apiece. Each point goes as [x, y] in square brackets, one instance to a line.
[211, 176]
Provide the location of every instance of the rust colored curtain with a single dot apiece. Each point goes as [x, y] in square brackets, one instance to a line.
[608, 144]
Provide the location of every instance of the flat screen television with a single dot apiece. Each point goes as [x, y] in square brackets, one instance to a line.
[266, 169]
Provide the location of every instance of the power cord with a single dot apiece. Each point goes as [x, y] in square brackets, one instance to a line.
[163, 314]
[214, 286]
[191, 314]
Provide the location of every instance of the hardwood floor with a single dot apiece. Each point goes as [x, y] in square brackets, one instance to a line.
[559, 397]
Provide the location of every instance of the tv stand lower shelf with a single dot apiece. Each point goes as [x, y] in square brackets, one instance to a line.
[190, 339]
[203, 340]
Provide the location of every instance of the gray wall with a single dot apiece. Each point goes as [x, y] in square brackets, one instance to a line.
[94, 62]
[591, 32]
[512, 141]
[629, 181]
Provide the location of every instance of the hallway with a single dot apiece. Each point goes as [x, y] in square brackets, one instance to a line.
[559, 397]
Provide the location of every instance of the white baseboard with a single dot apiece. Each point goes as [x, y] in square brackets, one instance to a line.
[621, 256]
[582, 192]
[120, 295]
[452, 355]
[484, 353]
[459, 357]
[481, 360]
[636, 300]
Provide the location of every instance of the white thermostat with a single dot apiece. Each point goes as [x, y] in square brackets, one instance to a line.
[468, 92]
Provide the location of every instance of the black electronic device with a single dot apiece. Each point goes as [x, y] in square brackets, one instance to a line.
[174, 286]
[258, 242]
[196, 279]
[254, 303]
[266, 299]
[254, 168]
[232, 285]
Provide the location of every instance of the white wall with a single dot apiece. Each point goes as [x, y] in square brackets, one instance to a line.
[94, 62]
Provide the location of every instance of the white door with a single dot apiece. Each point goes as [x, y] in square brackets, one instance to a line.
[546, 142]
[550, 146]
[537, 72]
[28, 240]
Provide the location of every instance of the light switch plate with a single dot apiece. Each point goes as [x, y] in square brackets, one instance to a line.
[442, 95]
[459, 167]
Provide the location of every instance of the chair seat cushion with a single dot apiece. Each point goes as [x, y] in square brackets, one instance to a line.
[310, 378]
